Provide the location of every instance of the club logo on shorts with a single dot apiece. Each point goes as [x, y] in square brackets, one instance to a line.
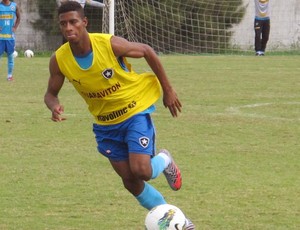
[108, 73]
[144, 142]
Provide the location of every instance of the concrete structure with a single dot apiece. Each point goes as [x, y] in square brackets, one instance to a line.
[27, 37]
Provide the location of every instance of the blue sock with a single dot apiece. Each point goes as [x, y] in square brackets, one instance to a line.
[10, 64]
[158, 166]
[150, 197]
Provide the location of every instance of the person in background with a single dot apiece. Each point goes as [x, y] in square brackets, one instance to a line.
[120, 100]
[9, 22]
[261, 26]
[83, 3]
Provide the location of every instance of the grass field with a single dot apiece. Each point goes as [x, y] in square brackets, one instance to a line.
[236, 142]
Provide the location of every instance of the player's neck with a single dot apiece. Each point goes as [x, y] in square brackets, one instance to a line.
[82, 48]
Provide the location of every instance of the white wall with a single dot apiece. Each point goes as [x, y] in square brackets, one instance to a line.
[26, 36]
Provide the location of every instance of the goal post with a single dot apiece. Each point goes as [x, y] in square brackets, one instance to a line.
[108, 19]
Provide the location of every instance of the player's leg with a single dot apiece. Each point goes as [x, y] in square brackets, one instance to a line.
[265, 34]
[146, 195]
[111, 144]
[2, 48]
[257, 39]
[141, 140]
[10, 48]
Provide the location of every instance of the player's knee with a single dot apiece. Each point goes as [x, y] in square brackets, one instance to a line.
[133, 185]
[141, 171]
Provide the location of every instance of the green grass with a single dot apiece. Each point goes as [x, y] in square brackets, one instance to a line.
[236, 142]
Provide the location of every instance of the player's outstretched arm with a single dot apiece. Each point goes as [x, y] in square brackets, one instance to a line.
[122, 47]
[55, 83]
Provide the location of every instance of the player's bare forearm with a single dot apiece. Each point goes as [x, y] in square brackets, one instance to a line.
[170, 98]
[50, 100]
[122, 47]
[54, 106]
[55, 83]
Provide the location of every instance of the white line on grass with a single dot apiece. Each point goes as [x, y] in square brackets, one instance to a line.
[236, 110]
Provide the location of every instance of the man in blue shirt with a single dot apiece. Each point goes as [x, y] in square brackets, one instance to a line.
[9, 22]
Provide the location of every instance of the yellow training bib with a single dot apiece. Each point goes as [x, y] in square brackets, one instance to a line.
[112, 93]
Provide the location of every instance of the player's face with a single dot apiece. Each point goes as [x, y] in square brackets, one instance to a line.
[6, 2]
[72, 26]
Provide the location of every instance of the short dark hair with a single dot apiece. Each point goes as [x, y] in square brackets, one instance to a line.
[70, 6]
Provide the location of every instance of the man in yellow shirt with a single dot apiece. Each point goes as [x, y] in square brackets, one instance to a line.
[120, 100]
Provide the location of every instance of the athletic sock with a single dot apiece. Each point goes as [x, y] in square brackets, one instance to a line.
[158, 164]
[10, 64]
[166, 158]
[150, 197]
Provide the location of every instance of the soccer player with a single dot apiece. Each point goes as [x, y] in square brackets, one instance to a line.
[120, 100]
[261, 26]
[9, 22]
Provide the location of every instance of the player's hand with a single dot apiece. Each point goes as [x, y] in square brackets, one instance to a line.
[172, 102]
[57, 111]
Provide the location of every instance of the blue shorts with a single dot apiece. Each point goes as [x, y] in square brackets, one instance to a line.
[7, 46]
[135, 135]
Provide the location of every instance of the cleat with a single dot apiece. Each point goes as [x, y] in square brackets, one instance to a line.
[189, 225]
[10, 78]
[172, 173]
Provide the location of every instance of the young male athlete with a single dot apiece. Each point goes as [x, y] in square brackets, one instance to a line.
[9, 22]
[261, 26]
[120, 100]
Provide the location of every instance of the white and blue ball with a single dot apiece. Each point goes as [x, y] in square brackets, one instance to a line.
[166, 216]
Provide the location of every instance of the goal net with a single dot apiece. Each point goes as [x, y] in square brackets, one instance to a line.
[201, 26]
[169, 26]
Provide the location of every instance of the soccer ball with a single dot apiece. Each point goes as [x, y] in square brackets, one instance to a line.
[28, 53]
[165, 217]
[15, 54]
